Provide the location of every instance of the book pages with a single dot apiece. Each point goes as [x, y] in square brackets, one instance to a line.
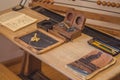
[15, 20]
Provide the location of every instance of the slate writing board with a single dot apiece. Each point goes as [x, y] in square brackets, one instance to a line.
[44, 41]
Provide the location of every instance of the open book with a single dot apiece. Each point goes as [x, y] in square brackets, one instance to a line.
[15, 20]
[92, 63]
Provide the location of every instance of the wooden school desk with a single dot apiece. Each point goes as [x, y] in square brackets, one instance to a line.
[62, 55]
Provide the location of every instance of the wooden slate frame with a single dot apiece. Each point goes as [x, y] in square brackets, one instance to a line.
[21, 42]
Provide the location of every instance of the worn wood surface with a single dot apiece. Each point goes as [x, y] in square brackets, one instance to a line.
[64, 54]
[6, 74]
[113, 32]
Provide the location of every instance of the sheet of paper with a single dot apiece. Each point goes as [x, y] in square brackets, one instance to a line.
[15, 20]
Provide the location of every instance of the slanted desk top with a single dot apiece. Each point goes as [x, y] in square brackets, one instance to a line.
[64, 54]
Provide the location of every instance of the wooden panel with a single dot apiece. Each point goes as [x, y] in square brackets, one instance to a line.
[91, 6]
[106, 30]
[34, 64]
[6, 74]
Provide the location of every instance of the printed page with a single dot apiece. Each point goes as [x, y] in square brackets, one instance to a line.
[8, 16]
[15, 21]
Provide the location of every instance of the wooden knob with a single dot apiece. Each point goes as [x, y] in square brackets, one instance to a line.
[108, 3]
[113, 4]
[117, 5]
[104, 3]
[99, 2]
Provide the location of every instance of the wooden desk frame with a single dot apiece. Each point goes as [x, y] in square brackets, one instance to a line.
[68, 52]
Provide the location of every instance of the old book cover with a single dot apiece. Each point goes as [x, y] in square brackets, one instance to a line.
[15, 20]
[92, 63]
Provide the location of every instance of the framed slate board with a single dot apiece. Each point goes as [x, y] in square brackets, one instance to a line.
[45, 42]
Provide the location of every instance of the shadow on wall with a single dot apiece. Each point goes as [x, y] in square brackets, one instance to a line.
[8, 50]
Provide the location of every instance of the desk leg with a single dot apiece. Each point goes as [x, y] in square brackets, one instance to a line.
[24, 61]
[29, 64]
[33, 64]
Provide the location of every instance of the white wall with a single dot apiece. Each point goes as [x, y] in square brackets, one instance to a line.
[8, 50]
[5, 4]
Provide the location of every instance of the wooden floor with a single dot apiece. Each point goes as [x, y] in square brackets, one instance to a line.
[47, 70]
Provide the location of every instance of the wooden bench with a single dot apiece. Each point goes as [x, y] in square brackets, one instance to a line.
[6, 74]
